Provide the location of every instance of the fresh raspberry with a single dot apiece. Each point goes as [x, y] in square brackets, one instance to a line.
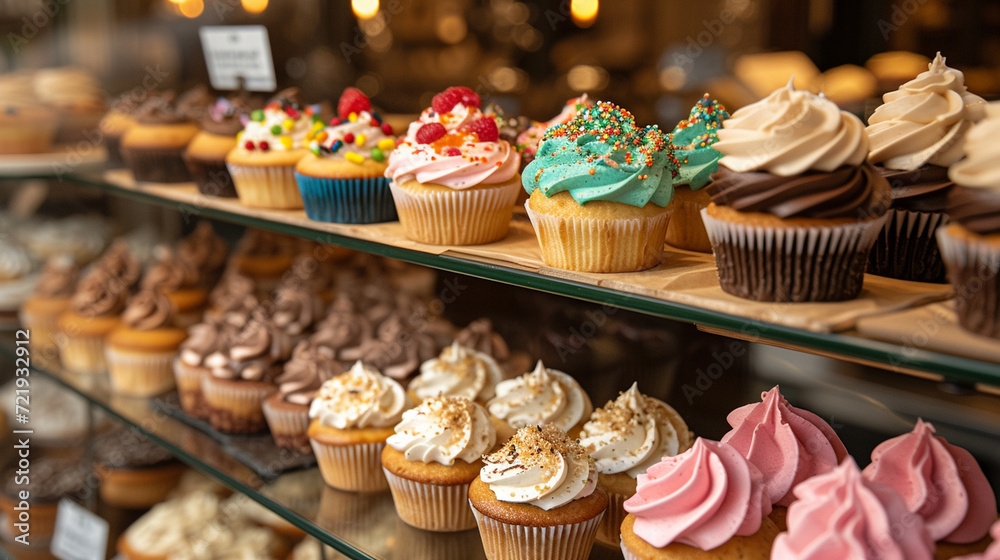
[430, 132]
[352, 101]
[445, 101]
[452, 151]
[485, 129]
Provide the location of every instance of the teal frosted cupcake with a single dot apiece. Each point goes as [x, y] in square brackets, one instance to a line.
[692, 141]
[343, 179]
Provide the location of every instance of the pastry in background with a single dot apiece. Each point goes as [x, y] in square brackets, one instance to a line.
[77, 98]
[527, 140]
[152, 148]
[205, 156]
[893, 68]
[190, 367]
[537, 398]
[206, 251]
[52, 297]
[264, 257]
[480, 336]
[181, 283]
[83, 237]
[49, 480]
[140, 351]
[119, 118]
[26, 125]
[59, 418]
[18, 276]
[134, 471]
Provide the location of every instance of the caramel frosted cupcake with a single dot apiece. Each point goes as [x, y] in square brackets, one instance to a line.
[537, 497]
[134, 471]
[287, 411]
[179, 281]
[480, 336]
[433, 457]
[141, 350]
[457, 372]
[538, 398]
[352, 416]
[53, 296]
[626, 437]
[190, 367]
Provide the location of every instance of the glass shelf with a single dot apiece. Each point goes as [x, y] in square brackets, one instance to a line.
[846, 345]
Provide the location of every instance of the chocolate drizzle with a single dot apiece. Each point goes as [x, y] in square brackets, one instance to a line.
[920, 190]
[977, 210]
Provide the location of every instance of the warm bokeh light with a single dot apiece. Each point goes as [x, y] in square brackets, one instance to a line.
[584, 12]
[451, 28]
[254, 6]
[364, 9]
[584, 77]
[191, 8]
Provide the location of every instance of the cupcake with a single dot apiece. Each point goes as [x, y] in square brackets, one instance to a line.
[190, 367]
[537, 497]
[235, 293]
[140, 351]
[242, 376]
[480, 336]
[841, 514]
[598, 192]
[119, 118]
[27, 126]
[399, 346]
[205, 156]
[179, 281]
[204, 251]
[18, 276]
[797, 445]
[53, 296]
[49, 481]
[940, 482]
[134, 472]
[457, 372]
[264, 257]
[915, 136]
[454, 182]
[707, 502]
[83, 237]
[970, 244]
[77, 98]
[344, 330]
[287, 411]
[528, 140]
[537, 398]
[692, 139]
[433, 457]
[297, 306]
[625, 438]
[262, 164]
[343, 179]
[795, 208]
[169, 526]
[992, 552]
[352, 416]
[153, 147]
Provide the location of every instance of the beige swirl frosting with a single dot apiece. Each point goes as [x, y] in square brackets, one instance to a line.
[790, 132]
[147, 310]
[543, 396]
[981, 166]
[170, 525]
[457, 372]
[442, 430]
[359, 398]
[541, 466]
[633, 432]
[924, 121]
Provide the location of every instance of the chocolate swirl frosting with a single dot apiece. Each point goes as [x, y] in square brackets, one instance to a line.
[296, 306]
[160, 110]
[119, 262]
[148, 310]
[920, 190]
[310, 366]
[977, 210]
[100, 295]
[398, 350]
[479, 336]
[203, 250]
[257, 352]
[234, 293]
[170, 273]
[58, 278]
[204, 339]
[847, 192]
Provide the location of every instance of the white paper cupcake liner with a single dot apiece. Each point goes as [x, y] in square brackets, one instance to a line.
[429, 506]
[506, 541]
[628, 554]
[270, 186]
[456, 217]
[288, 427]
[235, 407]
[791, 264]
[594, 245]
[357, 468]
[610, 530]
[44, 329]
[906, 248]
[140, 374]
[188, 380]
[82, 354]
[974, 271]
[686, 229]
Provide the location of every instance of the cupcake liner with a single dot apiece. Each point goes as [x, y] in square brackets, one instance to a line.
[44, 330]
[288, 426]
[906, 248]
[113, 145]
[82, 354]
[596, 245]
[212, 177]
[628, 554]
[506, 541]
[610, 530]
[270, 186]
[140, 374]
[791, 264]
[686, 230]
[188, 379]
[156, 166]
[456, 217]
[974, 271]
[430, 506]
[235, 407]
[347, 201]
[357, 468]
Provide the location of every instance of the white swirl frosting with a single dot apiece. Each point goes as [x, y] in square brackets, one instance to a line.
[459, 372]
[15, 262]
[359, 398]
[256, 131]
[543, 396]
[167, 527]
[633, 432]
[924, 121]
[790, 132]
[443, 429]
[540, 466]
[981, 166]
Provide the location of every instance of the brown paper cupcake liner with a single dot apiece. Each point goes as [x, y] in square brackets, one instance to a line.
[271, 186]
[156, 166]
[288, 427]
[506, 541]
[235, 407]
[82, 354]
[212, 177]
[686, 230]
[357, 468]
[791, 264]
[188, 379]
[140, 374]
[974, 271]
[429, 506]
[906, 247]
[459, 217]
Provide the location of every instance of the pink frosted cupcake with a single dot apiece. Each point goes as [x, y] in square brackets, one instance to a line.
[991, 553]
[527, 141]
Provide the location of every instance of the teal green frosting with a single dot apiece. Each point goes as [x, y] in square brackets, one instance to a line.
[692, 140]
[602, 155]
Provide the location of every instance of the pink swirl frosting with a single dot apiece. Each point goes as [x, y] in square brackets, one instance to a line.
[787, 444]
[939, 481]
[457, 160]
[991, 553]
[702, 497]
[841, 515]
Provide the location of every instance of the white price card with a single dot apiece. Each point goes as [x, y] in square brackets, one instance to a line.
[79, 534]
[238, 52]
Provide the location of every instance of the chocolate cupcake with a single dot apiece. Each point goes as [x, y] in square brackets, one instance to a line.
[152, 148]
[287, 411]
[205, 156]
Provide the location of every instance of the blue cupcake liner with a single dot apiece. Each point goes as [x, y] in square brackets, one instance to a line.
[347, 201]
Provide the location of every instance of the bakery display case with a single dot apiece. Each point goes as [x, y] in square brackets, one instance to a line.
[869, 366]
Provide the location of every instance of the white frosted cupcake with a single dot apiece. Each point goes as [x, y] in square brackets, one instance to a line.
[537, 398]
[457, 372]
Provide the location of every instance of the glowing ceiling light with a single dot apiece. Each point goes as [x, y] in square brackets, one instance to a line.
[254, 6]
[191, 8]
[584, 12]
[364, 9]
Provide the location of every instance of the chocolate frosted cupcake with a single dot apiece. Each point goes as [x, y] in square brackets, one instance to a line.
[50, 480]
[205, 251]
[235, 293]
[205, 156]
[53, 296]
[795, 208]
[180, 282]
[140, 351]
[152, 148]
[287, 411]
[297, 307]
[480, 336]
[134, 471]
[399, 347]
[204, 339]
[344, 330]
[915, 136]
